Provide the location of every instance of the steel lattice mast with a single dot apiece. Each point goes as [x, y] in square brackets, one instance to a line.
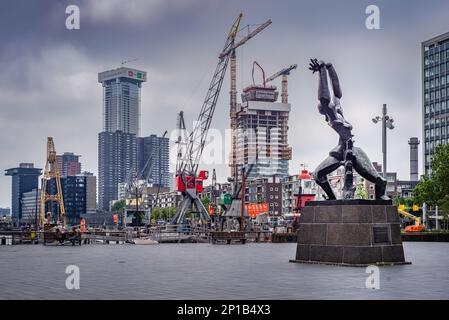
[186, 175]
[51, 172]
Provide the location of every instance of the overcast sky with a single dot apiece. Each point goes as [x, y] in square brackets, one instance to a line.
[48, 78]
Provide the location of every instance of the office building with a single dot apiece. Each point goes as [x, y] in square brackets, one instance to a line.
[31, 206]
[435, 84]
[25, 178]
[74, 194]
[262, 130]
[117, 144]
[121, 99]
[5, 212]
[146, 146]
[68, 164]
[117, 159]
[91, 191]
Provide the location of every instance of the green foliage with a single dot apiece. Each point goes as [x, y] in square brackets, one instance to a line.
[118, 206]
[206, 202]
[435, 190]
[401, 200]
[361, 190]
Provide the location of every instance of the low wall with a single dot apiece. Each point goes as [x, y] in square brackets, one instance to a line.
[283, 237]
[426, 236]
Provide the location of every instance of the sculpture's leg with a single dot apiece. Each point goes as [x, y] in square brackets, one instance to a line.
[329, 165]
[349, 188]
[365, 168]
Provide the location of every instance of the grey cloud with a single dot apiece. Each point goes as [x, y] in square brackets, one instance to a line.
[48, 83]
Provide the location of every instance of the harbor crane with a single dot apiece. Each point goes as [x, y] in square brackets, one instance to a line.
[284, 73]
[137, 182]
[51, 172]
[188, 180]
[231, 51]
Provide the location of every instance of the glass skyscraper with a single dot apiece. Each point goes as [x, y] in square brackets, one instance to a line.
[121, 99]
[117, 144]
[160, 170]
[435, 77]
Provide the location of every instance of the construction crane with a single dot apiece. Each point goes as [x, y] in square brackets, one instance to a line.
[134, 178]
[188, 181]
[231, 51]
[284, 73]
[213, 200]
[127, 61]
[51, 172]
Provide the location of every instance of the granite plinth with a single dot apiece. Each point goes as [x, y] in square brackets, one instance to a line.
[350, 232]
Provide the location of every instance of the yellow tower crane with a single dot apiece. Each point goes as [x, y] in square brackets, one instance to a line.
[51, 172]
[284, 73]
[233, 68]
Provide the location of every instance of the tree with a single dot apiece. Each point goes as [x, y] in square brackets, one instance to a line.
[206, 202]
[155, 214]
[435, 190]
[118, 206]
[361, 190]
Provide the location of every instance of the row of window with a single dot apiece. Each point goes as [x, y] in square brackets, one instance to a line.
[436, 132]
[436, 57]
[436, 70]
[436, 95]
[435, 82]
[435, 121]
[430, 146]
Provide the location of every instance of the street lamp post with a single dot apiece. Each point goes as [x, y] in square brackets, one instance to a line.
[387, 123]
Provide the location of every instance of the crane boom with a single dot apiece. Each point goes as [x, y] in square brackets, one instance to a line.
[245, 39]
[187, 181]
[198, 136]
[134, 176]
[285, 71]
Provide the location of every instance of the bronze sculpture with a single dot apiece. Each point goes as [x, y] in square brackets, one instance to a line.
[345, 153]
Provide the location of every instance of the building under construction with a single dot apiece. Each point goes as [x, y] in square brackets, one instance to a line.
[262, 130]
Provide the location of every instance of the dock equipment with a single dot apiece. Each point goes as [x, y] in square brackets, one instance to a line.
[187, 181]
[51, 172]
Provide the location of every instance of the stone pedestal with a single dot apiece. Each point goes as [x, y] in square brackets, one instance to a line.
[350, 232]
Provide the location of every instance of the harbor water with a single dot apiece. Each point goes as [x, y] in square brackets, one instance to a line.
[206, 271]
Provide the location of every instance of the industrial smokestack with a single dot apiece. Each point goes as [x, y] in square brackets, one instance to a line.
[414, 142]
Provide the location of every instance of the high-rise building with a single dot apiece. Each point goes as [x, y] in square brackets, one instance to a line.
[117, 158]
[262, 129]
[5, 212]
[160, 170]
[91, 191]
[68, 164]
[435, 78]
[25, 178]
[117, 144]
[121, 99]
[31, 206]
[74, 193]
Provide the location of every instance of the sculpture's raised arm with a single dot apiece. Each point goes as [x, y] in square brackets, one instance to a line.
[324, 95]
[334, 79]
